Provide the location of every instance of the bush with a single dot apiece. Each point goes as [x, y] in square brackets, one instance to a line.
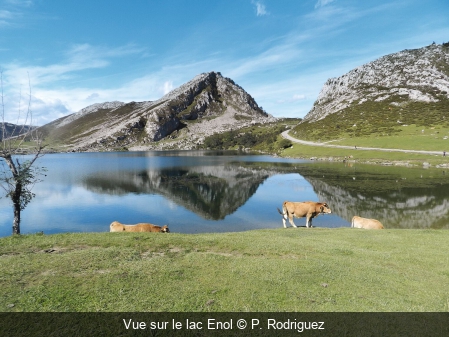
[285, 143]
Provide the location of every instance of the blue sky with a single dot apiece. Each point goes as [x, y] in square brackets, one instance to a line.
[76, 53]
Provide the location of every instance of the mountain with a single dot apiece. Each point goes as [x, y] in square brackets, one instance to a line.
[408, 87]
[9, 129]
[207, 104]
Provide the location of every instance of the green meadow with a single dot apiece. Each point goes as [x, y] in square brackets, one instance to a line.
[303, 270]
[412, 137]
[434, 139]
[366, 156]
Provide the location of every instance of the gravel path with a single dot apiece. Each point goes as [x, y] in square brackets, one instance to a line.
[295, 140]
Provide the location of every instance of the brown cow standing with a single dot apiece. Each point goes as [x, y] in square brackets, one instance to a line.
[359, 222]
[308, 209]
[140, 227]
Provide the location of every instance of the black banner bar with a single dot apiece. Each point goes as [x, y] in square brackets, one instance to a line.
[224, 324]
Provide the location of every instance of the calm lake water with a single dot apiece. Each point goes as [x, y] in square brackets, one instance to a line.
[201, 191]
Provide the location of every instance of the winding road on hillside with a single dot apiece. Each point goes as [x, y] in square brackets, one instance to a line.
[295, 140]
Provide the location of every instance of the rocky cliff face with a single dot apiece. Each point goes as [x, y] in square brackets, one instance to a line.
[207, 104]
[419, 75]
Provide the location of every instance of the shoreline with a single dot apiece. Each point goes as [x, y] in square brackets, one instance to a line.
[409, 163]
[350, 159]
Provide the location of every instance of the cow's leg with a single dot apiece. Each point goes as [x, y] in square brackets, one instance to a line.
[284, 216]
[308, 221]
[283, 222]
[290, 219]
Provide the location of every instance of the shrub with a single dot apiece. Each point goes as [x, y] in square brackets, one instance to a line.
[285, 143]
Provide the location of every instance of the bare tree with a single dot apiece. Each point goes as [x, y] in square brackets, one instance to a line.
[20, 173]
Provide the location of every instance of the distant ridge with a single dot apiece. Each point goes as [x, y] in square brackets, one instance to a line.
[90, 109]
[12, 130]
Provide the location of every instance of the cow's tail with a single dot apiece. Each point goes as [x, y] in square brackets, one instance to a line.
[352, 222]
[284, 212]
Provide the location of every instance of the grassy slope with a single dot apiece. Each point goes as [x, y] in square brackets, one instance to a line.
[263, 270]
[379, 119]
[412, 137]
[369, 156]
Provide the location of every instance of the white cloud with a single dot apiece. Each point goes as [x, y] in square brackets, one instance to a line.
[49, 103]
[274, 57]
[168, 86]
[260, 8]
[14, 11]
[79, 57]
[322, 3]
[293, 99]
[44, 112]
[6, 15]
[24, 3]
[93, 96]
[298, 97]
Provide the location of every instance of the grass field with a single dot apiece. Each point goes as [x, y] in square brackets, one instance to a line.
[366, 156]
[379, 119]
[410, 142]
[263, 270]
[412, 137]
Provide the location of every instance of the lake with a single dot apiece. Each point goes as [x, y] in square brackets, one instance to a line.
[209, 191]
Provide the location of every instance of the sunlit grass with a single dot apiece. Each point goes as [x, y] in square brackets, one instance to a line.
[411, 138]
[263, 270]
[306, 151]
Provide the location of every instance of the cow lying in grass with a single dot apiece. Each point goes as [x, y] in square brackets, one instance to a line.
[307, 209]
[140, 227]
[359, 222]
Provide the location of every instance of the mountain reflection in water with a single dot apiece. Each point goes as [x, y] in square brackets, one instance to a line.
[398, 197]
[200, 191]
[404, 198]
[211, 192]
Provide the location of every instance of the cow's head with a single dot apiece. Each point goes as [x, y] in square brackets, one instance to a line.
[325, 208]
[116, 227]
[165, 229]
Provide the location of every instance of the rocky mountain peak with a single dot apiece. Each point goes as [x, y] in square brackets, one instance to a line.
[410, 75]
[207, 104]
